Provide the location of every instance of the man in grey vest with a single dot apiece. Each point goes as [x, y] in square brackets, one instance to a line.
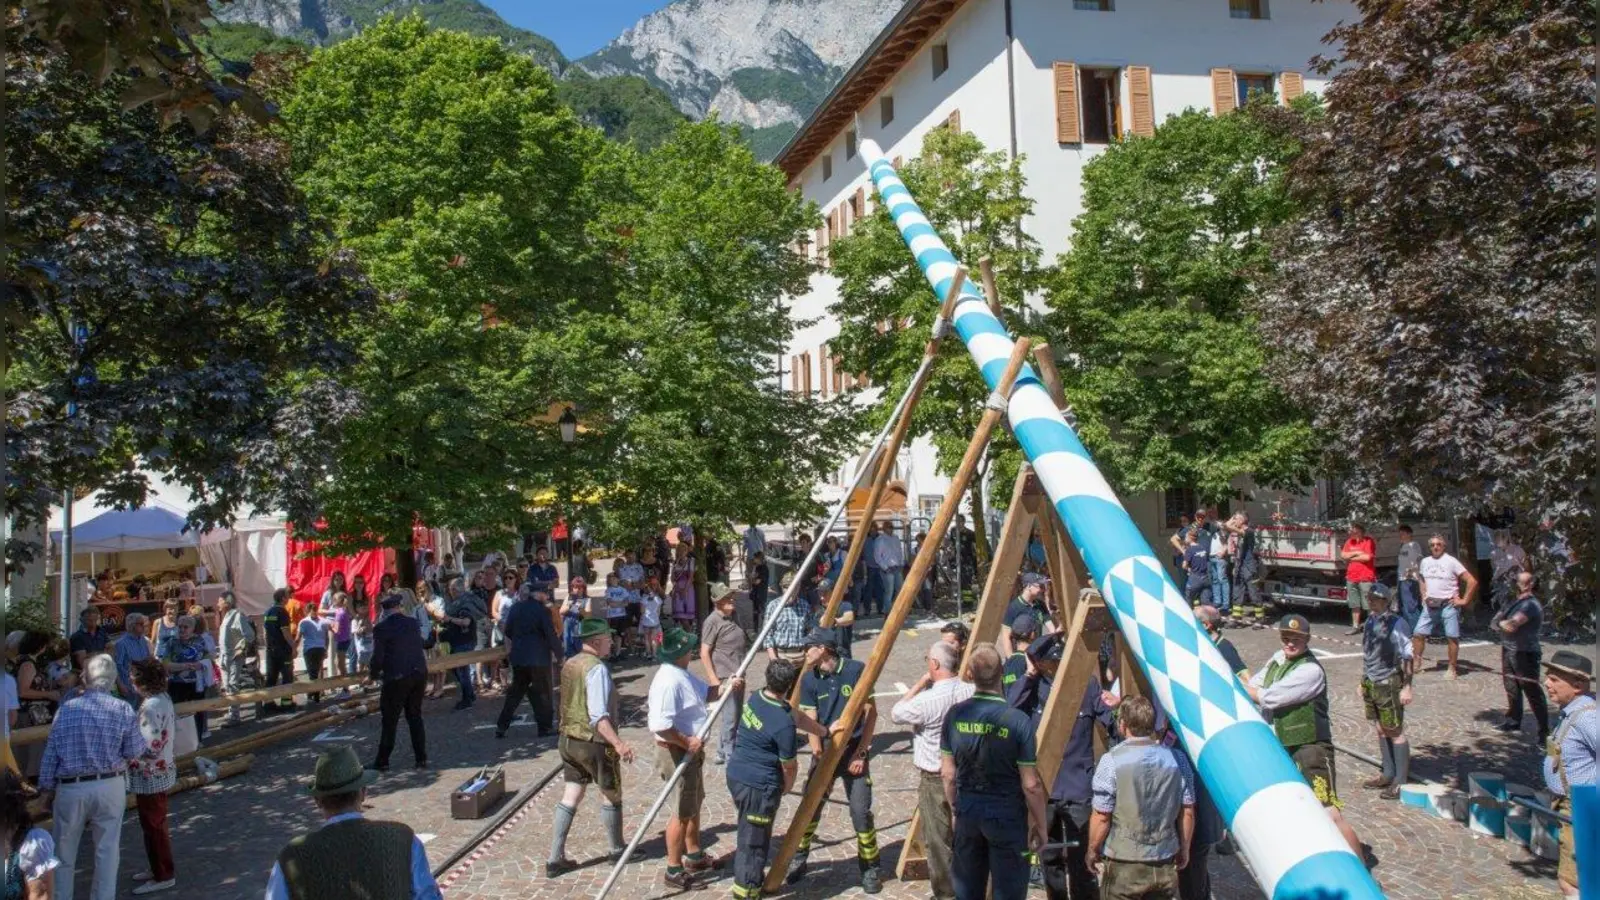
[1143, 815]
[1386, 688]
[350, 856]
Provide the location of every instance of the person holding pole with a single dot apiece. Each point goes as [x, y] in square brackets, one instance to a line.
[591, 749]
[824, 692]
[761, 770]
[722, 646]
[994, 791]
[924, 708]
[677, 707]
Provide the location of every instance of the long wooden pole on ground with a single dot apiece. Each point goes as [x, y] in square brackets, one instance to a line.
[1014, 534]
[822, 774]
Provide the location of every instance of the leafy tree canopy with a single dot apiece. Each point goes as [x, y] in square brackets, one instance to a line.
[211, 311]
[1434, 307]
[976, 200]
[626, 107]
[1152, 300]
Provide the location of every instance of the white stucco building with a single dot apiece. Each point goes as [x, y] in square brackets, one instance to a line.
[1054, 81]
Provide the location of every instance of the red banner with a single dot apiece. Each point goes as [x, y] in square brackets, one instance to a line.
[309, 571]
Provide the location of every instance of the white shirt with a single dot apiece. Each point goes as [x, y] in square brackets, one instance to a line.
[597, 694]
[677, 701]
[1299, 686]
[36, 855]
[925, 713]
[755, 541]
[631, 573]
[1442, 576]
[650, 611]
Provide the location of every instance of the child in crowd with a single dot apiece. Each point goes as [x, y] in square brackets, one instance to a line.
[650, 602]
[616, 611]
[361, 634]
[572, 614]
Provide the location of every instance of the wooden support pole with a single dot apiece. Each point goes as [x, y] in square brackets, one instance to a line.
[880, 480]
[822, 775]
[1074, 673]
[1051, 535]
[38, 733]
[990, 292]
[1049, 374]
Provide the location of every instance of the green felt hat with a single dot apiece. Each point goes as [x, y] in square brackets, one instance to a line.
[339, 772]
[675, 644]
[591, 627]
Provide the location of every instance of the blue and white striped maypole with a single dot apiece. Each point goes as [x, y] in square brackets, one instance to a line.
[1288, 838]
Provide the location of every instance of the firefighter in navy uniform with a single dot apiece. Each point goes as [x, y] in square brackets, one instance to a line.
[760, 771]
[992, 785]
[1024, 628]
[824, 693]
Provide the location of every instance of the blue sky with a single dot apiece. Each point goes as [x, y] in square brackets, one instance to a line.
[579, 27]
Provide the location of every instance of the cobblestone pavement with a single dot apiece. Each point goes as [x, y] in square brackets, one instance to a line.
[226, 836]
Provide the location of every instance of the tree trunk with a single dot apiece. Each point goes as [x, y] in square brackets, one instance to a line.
[405, 561]
[979, 527]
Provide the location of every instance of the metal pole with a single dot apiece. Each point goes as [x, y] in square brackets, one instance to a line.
[755, 646]
[65, 573]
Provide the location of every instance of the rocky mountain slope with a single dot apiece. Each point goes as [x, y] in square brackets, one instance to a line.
[764, 64]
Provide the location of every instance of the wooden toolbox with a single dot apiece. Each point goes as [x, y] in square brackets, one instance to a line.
[475, 804]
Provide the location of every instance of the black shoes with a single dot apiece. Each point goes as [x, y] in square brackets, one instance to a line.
[1508, 726]
[559, 867]
[871, 880]
[797, 868]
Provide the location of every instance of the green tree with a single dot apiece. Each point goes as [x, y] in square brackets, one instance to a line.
[211, 309]
[695, 426]
[977, 201]
[447, 164]
[1153, 301]
[1434, 308]
[626, 107]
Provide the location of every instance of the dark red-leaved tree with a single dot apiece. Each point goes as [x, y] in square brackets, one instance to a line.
[1435, 306]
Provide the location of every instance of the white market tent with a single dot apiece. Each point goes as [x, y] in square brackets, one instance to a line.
[252, 553]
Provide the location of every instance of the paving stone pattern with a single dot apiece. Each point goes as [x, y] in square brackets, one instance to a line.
[226, 836]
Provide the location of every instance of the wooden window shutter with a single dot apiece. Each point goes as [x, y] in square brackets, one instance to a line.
[1143, 110]
[1224, 91]
[840, 380]
[1068, 128]
[822, 364]
[954, 121]
[847, 380]
[1291, 85]
[860, 209]
[805, 373]
[898, 162]
[863, 380]
[794, 374]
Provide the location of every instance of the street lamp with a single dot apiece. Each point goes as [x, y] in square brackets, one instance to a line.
[569, 426]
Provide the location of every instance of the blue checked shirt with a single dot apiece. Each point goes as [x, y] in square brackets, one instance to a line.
[788, 630]
[93, 733]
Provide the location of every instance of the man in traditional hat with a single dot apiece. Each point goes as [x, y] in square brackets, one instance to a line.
[677, 707]
[1573, 751]
[1386, 687]
[400, 665]
[824, 693]
[1292, 691]
[350, 856]
[722, 648]
[591, 749]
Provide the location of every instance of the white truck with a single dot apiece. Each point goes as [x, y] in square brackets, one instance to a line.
[1299, 547]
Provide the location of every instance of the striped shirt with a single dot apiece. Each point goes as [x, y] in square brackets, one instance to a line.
[925, 713]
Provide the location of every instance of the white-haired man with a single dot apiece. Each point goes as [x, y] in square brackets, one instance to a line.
[81, 776]
[924, 708]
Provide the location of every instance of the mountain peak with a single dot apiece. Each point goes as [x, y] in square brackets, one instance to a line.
[764, 64]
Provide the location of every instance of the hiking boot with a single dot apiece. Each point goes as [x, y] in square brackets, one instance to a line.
[797, 868]
[871, 880]
[559, 867]
[683, 880]
[1375, 782]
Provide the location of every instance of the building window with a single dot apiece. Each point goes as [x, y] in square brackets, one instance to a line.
[941, 59]
[1176, 503]
[885, 110]
[1092, 5]
[827, 166]
[1102, 107]
[1251, 85]
[1247, 9]
[850, 144]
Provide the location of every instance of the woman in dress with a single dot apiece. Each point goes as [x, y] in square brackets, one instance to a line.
[29, 852]
[153, 774]
[510, 592]
[430, 615]
[683, 586]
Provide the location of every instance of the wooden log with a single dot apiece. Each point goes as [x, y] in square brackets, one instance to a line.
[1077, 667]
[990, 292]
[1051, 535]
[822, 774]
[38, 733]
[1050, 375]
